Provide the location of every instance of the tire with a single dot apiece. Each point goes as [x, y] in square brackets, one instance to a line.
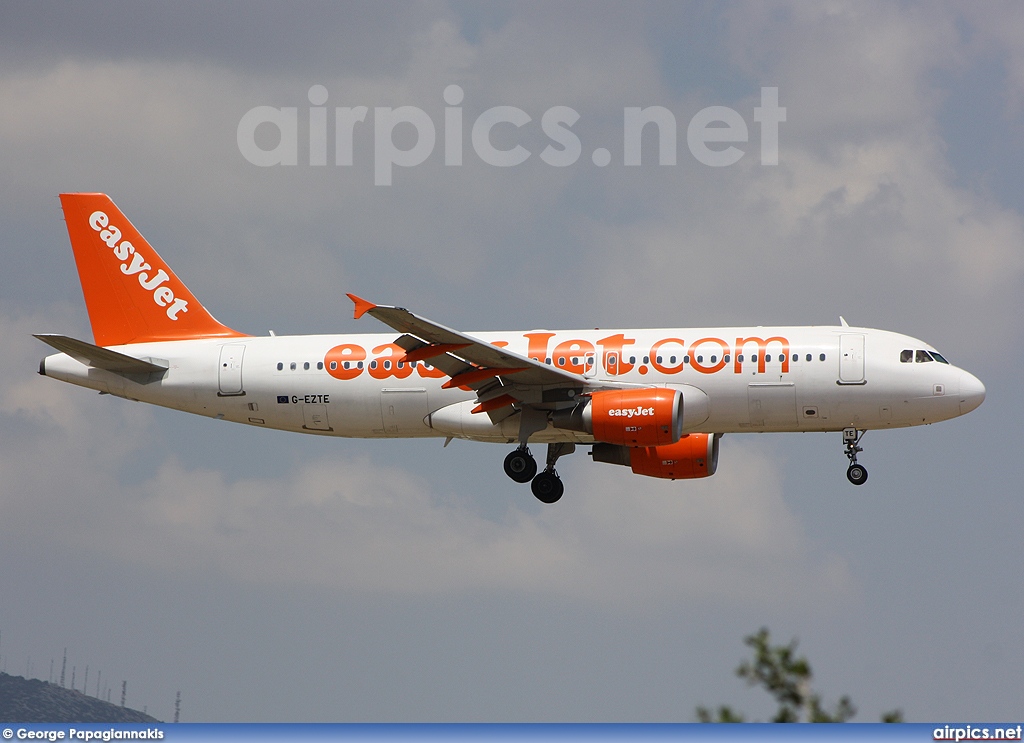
[547, 486]
[520, 466]
[857, 474]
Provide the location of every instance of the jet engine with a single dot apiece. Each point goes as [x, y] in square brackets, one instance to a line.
[639, 417]
[693, 455]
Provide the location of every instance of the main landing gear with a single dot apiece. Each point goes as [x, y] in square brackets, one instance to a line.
[522, 467]
[520, 464]
[857, 474]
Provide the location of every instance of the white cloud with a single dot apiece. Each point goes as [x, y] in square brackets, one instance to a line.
[863, 215]
[350, 524]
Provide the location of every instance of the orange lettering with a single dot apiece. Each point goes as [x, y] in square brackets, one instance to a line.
[392, 365]
[699, 366]
[612, 356]
[658, 365]
[342, 362]
[762, 344]
[538, 348]
[564, 354]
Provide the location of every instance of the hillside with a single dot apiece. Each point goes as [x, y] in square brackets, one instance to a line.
[31, 700]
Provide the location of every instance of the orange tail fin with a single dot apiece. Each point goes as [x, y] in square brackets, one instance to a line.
[132, 295]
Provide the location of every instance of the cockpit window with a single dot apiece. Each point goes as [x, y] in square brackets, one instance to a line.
[906, 356]
[922, 356]
[938, 357]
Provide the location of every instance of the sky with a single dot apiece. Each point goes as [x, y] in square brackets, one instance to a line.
[276, 577]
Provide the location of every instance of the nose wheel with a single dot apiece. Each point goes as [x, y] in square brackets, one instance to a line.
[856, 473]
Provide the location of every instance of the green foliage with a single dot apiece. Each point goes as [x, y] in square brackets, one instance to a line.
[787, 677]
[725, 714]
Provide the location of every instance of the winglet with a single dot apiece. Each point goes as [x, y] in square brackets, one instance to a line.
[361, 306]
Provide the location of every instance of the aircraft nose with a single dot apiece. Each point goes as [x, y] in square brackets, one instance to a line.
[972, 393]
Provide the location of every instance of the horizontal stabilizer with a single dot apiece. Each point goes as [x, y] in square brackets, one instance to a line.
[101, 358]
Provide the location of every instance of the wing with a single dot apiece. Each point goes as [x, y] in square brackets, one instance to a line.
[501, 378]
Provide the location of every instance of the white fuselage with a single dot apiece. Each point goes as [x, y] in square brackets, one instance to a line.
[754, 379]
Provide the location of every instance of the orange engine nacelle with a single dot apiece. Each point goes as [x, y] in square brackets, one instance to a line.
[647, 417]
[694, 455]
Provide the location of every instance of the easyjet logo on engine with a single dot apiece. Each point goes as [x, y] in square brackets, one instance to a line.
[134, 263]
[630, 412]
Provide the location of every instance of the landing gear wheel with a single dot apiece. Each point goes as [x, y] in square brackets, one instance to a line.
[851, 439]
[857, 474]
[520, 465]
[547, 486]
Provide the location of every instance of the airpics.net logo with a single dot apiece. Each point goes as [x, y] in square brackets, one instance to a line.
[714, 135]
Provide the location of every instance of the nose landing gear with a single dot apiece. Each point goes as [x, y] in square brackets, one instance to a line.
[856, 473]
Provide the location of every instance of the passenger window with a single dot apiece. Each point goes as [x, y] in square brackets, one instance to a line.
[632, 359]
[305, 366]
[647, 360]
[700, 359]
[672, 359]
[334, 365]
[796, 357]
[292, 366]
[753, 357]
[922, 356]
[373, 364]
[808, 357]
[821, 357]
[359, 365]
[767, 357]
[320, 365]
[726, 357]
[686, 359]
[906, 356]
[714, 359]
[280, 366]
[739, 357]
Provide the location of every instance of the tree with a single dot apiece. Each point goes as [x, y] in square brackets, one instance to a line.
[786, 677]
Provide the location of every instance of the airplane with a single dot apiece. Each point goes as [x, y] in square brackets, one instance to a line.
[655, 400]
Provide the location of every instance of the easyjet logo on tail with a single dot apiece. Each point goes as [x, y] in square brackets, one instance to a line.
[134, 264]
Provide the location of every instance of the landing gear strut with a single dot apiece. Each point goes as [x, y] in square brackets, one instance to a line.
[520, 464]
[547, 486]
[856, 473]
